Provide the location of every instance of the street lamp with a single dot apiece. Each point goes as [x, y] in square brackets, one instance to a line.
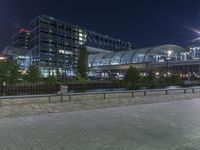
[4, 87]
[189, 75]
[169, 53]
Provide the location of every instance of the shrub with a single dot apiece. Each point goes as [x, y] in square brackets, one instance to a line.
[132, 78]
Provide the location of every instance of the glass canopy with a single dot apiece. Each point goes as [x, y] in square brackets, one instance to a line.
[156, 54]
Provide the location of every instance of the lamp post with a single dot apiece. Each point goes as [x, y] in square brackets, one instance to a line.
[167, 65]
[4, 87]
[169, 53]
[189, 75]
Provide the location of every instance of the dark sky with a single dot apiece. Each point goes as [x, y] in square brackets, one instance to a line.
[142, 22]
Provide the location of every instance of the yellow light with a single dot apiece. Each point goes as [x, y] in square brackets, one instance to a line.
[2, 58]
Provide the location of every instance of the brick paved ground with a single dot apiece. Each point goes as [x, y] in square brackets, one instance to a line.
[159, 126]
[13, 108]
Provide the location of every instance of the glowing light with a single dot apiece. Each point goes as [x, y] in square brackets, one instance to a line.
[2, 58]
[65, 52]
[169, 52]
[22, 30]
[195, 30]
[197, 39]
[157, 73]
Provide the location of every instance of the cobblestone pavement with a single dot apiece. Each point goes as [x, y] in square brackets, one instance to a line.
[159, 126]
[14, 108]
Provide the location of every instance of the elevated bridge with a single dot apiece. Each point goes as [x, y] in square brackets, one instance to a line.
[146, 65]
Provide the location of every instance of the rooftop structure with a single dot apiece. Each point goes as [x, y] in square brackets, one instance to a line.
[22, 39]
[162, 53]
[20, 55]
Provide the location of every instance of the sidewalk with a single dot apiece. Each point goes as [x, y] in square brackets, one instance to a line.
[160, 126]
[41, 106]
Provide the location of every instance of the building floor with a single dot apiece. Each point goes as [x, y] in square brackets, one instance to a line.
[160, 126]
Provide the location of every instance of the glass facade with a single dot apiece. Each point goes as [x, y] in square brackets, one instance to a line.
[22, 39]
[56, 44]
[195, 51]
[20, 55]
[156, 54]
[106, 43]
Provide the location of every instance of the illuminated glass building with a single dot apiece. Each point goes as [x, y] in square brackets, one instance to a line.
[21, 39]
[195, 49]
[18, 50]
[162, 58]
[104, 42]
[55, 45]
[156, 54]
[20, 55]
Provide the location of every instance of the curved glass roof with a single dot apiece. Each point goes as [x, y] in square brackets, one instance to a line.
[152, 54]
[116, 59]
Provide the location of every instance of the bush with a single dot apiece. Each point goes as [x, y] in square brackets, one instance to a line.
[9, 72]
[33, 74]
[174, 79]
[50, 81]
[132, 78]
[80, 79]
[150, 79]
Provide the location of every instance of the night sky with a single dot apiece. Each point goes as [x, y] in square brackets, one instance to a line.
[141, 22]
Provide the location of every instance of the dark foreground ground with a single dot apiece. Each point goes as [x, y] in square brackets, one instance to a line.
[160, 126]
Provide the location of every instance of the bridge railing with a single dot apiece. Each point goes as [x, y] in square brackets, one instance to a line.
[104, 94]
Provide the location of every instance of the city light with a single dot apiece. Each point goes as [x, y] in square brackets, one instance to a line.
[195, 31]
[2, 58]
[169, 53]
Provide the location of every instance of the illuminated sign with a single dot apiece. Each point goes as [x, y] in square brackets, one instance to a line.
[22, 30]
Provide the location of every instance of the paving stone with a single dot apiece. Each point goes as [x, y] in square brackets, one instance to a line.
[158, 126]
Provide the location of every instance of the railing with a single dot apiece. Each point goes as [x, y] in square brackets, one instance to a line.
[104, 94]
[177, 63]
[42, 88]
[29, 88]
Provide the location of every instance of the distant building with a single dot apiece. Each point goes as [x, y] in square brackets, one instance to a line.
[104, 42]
[195, 49]
[20, 55]
[22, 39]
[157, 54]
[18, 50]
[55, 45]
[161, 58]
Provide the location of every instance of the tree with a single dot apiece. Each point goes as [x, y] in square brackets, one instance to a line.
[151, 78]
[9, 72]
[174, 79]
[50, 81]
[33, 74]
[80, 79]
[132, 78]
[82, 67]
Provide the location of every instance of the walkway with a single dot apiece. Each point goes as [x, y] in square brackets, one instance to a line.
[160, 126]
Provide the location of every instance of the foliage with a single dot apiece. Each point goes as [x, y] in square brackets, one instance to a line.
[174, 79]
[82, 67]
[80, 79]
[150, 80]
[50, 81]
[9, 72]
[134, 81]
[33, 74]
[132, 78]
[67, 80]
